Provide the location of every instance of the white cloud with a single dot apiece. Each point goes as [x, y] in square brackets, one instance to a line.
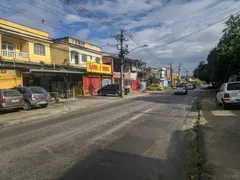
[152, 22]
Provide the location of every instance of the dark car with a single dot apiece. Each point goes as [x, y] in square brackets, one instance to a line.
[113, 89]
[34, 96]
[10, 99]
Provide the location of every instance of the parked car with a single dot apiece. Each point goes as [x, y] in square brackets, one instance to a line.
[155, 87]
[228, 95]
[10, 99]
[113, 89]
[181, 89]
[34, 96]
[190, 86]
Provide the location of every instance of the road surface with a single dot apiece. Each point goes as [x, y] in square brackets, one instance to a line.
[139, 138]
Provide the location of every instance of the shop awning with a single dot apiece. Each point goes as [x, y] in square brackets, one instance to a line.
[54, 71]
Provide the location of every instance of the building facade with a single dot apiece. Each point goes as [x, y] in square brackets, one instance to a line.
[21, 48]
[85, 58]
[133, 71]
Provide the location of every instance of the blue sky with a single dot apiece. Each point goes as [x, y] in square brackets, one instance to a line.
[152, 22]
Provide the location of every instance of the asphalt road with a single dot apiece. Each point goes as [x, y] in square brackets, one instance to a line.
[139, 138]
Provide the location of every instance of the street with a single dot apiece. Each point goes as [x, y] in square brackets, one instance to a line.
[140, 138]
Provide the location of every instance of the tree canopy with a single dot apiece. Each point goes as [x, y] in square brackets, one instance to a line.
[224, 59]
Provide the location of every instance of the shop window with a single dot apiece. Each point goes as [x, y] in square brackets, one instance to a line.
[39, 49]
[84, 57]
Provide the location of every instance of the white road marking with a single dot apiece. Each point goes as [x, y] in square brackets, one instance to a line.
[223, 113]
[110, 131]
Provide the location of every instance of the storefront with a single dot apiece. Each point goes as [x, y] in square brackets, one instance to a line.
[97, 76]
[52, 80]
[134, 82]
[126, 79]
[10, 78]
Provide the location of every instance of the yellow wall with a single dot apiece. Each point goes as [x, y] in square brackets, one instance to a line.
[23, 29]
[37, 58]
[18, 43]
[23, 44]
[10, 78]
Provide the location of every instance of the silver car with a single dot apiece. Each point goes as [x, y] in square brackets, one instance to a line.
[10, 99]
[181, 89]
[34, 96]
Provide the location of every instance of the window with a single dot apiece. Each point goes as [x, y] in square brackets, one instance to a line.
[233, 86]
[75, 57]
[97, 59]
[11, 93]
[90, 57]
[7, 47]
[39, 49]
[38, 90]
[84, 57]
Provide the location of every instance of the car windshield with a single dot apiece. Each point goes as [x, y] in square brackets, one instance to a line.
[11, 93]
[233, 86]
[180, 86]
[38, 90]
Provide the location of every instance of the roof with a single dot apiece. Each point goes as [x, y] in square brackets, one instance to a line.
[67, 37]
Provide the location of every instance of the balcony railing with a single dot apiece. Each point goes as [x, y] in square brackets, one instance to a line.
[14, 54]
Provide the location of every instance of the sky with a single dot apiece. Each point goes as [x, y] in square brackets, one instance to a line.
[177, 31]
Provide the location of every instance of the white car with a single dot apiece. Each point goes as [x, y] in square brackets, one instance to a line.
[190, 86]
[228, 95]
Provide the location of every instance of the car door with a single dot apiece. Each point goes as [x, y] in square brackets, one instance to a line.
[107, 89]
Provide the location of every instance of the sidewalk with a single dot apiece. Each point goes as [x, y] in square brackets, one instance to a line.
[64, 107]
[220, 130]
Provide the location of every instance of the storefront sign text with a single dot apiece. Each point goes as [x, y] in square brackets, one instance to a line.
[98, 68]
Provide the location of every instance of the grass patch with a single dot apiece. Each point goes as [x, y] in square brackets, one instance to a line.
[197, 165]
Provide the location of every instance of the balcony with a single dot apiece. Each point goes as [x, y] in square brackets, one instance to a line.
[11, 55]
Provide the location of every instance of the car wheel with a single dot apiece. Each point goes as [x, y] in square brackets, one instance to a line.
[44, 105]
[100, 93]
[225, 106]
[116, 94]
[175, 93]
[27, 106]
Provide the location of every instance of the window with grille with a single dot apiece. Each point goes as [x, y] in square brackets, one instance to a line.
[39, 49]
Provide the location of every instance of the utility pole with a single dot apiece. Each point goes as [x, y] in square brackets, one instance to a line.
[171, 72]
[122, 52]
[187, 73]
[179, 72]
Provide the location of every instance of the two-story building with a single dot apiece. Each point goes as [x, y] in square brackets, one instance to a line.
[133, 71]
[85, 58]
[21, 48]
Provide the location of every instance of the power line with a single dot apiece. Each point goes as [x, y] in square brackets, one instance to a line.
[195, 32]
[196, 25]
[90, 15]
[26, 15]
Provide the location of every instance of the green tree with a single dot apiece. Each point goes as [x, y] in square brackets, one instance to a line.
[201, 72]
[224, 59]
